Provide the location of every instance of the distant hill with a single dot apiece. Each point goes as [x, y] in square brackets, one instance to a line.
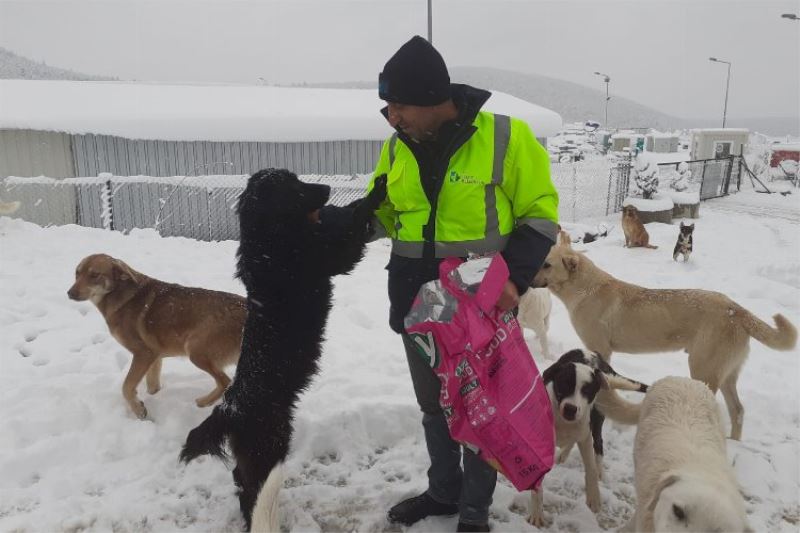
[16, 67]
[577, 103]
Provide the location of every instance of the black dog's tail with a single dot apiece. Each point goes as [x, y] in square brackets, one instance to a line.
[208, 438]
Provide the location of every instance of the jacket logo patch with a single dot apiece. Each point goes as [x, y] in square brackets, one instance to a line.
[455, 177]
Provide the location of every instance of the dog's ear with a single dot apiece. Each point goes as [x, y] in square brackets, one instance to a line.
[550, 373]
[602, 379]
[564, 239]
[690, 225]
[663, 484]
[570, 262]
[682, 224]
[123, 272]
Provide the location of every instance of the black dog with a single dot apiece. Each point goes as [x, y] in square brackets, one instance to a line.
[286, 262]
[684, 244]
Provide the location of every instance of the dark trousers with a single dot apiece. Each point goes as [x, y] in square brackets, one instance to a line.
[472, 487]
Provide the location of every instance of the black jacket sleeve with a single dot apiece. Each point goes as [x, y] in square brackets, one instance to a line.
[525, 253]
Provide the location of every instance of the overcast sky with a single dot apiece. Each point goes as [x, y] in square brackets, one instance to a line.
[656, 51]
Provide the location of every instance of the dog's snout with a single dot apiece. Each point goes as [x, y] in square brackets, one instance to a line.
[569, 411]
[71, 293]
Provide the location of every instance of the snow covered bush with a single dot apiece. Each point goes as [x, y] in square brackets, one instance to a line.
[644, 175]
[681, 177]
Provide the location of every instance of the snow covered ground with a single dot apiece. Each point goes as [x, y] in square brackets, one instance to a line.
[73, 458]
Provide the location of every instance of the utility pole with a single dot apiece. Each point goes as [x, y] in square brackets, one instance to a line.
[430, 21]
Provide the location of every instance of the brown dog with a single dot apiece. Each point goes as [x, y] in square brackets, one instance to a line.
[155, 319]
[610, 315]
[635, 234]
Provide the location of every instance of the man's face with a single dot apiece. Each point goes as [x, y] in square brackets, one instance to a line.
[418, 122]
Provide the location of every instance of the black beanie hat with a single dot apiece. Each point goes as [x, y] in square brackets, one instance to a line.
[415, 75]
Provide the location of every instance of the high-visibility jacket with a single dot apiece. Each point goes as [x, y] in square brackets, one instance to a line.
[497, 179]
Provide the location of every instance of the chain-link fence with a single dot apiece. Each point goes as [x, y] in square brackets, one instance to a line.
[590, 188]
[198, 207]
[203, 207]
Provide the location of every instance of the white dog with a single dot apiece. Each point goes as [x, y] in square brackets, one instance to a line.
[683, 479]
[534, 313]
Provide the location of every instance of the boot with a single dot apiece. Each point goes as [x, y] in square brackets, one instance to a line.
[415, 509]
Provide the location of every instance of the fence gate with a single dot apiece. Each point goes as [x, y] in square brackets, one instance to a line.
[712, 178]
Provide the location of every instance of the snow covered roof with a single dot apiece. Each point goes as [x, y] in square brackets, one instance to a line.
[218, 112]
[721, 130]
[786, 147]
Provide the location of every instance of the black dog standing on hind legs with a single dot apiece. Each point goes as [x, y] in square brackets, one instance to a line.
[286, 262]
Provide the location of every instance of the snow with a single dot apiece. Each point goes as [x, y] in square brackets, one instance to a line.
[681, 197]
[218, 112]
[787, 147]
[659, 202]
[721, 130]
[72, 457]
[664, 157]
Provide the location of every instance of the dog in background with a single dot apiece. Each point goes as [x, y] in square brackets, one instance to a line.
[6, 208]
[610, 315]
[286, 262]
[684, 244]
[683, 479]
[154, 319]
[574, 382]
[635, 234]
[534, 313]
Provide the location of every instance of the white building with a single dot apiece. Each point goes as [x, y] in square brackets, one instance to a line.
[67, 129]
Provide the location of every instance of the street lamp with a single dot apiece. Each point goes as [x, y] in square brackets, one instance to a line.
[790, 16]
[607, 79]
[727, 86]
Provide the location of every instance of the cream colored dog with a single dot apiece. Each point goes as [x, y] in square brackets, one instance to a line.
[610, 315]
[534, 313]
[683, 479]
[6, 208]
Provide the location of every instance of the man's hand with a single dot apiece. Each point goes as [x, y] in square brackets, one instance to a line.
[509, 298]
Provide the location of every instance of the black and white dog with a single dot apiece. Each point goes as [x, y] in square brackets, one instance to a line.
[574, 382]
[684, 244]
[286, 262]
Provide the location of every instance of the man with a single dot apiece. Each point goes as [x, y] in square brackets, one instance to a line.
[459, 181]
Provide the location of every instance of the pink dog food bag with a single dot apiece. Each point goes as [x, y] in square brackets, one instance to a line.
[492, 393]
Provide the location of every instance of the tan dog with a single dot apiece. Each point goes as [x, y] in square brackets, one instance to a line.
[610, 315]
[155, 319]
[635, 234]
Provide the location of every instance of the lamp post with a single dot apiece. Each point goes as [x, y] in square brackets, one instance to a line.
[727, 86]
[790, 16]
[607, 79]
[430, 21]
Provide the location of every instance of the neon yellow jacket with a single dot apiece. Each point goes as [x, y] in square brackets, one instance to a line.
[497, 180]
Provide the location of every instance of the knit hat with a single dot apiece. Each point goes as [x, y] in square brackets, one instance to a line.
[415, 75]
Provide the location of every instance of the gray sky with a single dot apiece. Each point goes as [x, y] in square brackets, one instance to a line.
[656, 51]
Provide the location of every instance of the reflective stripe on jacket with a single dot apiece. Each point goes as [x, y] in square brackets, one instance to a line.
[497, 180]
